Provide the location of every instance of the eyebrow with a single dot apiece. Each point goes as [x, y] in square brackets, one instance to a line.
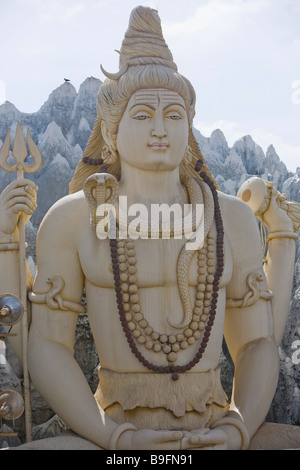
[174, 104]
[144, 104]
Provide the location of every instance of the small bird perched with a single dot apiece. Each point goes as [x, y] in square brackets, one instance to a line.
[66, 80]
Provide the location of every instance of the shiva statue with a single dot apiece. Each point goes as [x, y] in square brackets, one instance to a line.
[158, 308]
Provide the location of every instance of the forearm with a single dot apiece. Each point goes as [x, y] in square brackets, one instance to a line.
[58, 378]
[9, 263]
[255, 382]
[279, 271]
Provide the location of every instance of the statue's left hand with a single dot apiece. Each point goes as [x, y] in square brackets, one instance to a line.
[18, 197]
[205, 439]
[275, 217]
[173, 440]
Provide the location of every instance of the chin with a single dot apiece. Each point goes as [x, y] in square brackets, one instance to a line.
[160, 166]
[161, 162]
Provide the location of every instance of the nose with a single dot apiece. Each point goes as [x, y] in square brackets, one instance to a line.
[159, 129]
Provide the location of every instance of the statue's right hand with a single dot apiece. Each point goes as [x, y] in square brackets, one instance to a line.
[17, 198]
[148, 439]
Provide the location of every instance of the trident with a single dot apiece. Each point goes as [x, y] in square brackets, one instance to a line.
[20, 153]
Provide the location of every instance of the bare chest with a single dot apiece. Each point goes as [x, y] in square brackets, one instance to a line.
[155, 262]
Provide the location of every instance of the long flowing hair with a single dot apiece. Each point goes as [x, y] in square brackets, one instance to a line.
[145, 62]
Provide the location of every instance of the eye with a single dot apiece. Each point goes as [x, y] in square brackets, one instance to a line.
[141, 116]
[174, 115]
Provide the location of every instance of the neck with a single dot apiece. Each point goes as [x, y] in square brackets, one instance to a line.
[150, 187]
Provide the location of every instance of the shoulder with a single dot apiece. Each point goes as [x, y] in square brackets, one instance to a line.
[68, 203]
[237, 214]
[233, 205]
[65, 217]
[240, 225]
[68, 209]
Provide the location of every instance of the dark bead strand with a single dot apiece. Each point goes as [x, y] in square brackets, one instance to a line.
[132, 345]
[176, 370]
[93, 161]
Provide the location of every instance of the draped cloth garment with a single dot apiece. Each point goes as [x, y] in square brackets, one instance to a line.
[155, 401]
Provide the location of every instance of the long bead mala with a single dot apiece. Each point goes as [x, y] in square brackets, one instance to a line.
[168, 344]
[173, 369]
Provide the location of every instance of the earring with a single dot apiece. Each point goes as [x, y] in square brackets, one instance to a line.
[188, 155]
[109, 155]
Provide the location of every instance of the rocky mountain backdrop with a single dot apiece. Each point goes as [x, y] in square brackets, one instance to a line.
[61, 128]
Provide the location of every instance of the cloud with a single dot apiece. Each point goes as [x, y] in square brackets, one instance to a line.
[296, 92]
[56, 10]
[216, 15]
[61, 10]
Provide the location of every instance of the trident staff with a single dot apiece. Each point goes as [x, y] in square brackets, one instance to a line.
[20, 154]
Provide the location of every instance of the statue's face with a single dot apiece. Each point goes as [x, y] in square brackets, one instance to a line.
[153, 132]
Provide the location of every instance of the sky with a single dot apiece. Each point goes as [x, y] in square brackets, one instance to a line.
[242, 57]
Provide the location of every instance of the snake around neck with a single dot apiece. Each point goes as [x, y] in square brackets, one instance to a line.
[198, 317]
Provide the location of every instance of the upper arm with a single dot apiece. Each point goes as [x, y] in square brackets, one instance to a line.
[57, 256]
[244, 325]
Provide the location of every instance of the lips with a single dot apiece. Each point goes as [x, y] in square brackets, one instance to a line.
[158, 146]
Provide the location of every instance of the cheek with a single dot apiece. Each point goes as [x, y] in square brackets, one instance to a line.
[131, 138]
[178, 137]
[125, 140]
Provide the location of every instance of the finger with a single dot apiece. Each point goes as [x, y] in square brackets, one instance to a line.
[22, 208]
[21, 183]
[30, 194]
[192, 443]
[21, 200]
[18, 184]
[168, 436]
[200, 431]
[29, 189]
[209, 438]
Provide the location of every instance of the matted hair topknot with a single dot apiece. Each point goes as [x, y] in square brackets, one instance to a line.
[145, 62]
[143, 43]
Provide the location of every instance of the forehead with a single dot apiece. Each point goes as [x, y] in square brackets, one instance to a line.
[155, 97]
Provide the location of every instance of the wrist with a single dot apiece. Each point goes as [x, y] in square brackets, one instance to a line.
[233, 426]
[9, 241]
[9, 237]
[234, 438]
[5, 237]
[122, 436]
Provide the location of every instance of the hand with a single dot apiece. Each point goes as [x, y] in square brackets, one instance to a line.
[205, 439]
[18, 197]
[147, 439]
[276, 218]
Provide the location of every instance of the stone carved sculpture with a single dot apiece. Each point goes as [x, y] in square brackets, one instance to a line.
[157, 310]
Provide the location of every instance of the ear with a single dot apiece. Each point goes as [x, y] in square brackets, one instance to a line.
[109, 138]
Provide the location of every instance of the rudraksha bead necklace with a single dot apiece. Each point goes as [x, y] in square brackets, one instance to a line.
[95, 162]
[130, 319]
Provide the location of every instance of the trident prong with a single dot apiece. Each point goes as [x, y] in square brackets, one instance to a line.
[20, 153]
